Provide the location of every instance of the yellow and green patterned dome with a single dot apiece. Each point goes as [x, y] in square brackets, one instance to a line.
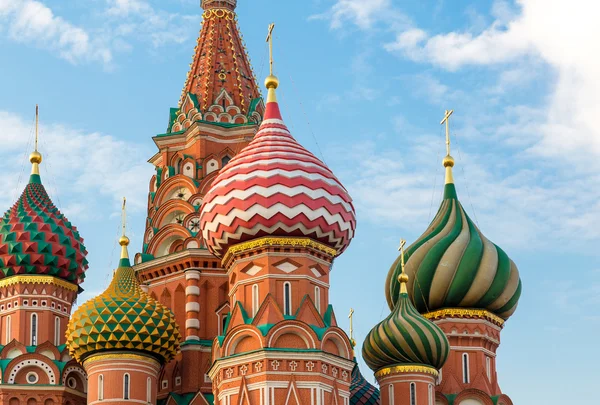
[123, 318]
[405, 338]
[452, 265]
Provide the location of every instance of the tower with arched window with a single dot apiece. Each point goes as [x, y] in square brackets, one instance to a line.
[281, 344]
[123, 338]
[42, 265]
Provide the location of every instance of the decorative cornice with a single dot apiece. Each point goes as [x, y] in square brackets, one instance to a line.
[270, 241]
[120, 356]
[218, 13]
[406, 369]
[465, 313]
[38, 280]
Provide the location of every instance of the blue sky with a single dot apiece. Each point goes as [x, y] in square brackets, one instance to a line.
[364, 85]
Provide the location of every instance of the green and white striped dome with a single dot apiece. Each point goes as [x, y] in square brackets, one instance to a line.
[405, 338]
[452, 265]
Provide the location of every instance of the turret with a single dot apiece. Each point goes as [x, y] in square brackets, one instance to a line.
[123, 338]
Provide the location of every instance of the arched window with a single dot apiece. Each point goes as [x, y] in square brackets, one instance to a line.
[126, 386]
[223, 324]
[57, 331]
[318, 298]
[224, 160]
[8, 329]
[466, 376]
[149, 390]
[34, 329]
[255, 297]
[287, 298]
[430, 395]
[391, 393]
[100, 387]
[413, 394]
[488, 367]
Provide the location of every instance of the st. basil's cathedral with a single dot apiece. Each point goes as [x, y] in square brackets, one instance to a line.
[228, 301]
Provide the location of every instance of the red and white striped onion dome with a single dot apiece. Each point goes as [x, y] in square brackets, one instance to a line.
[275, 187]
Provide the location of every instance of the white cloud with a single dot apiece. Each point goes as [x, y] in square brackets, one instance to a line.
[92, 169]
[563, 35]
[362, 13]
[31, 22]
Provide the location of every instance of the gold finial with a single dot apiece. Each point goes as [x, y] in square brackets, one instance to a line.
[271, 82]
[448, 160]
[403, 277]
[124, 240]
[351, 317]
[36, 157]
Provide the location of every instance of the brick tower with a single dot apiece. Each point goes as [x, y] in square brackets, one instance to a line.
[277, 216]
[469, 287]
[218, 114]
[42, 264]
[123, 338]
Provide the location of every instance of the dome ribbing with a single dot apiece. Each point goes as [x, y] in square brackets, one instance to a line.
[275, 187]
[405, 337]
[452, 265]
[123, 318]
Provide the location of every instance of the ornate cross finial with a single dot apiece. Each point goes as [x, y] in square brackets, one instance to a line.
[124, 215]
[403, 278]
[351, 317]
[270, 41]
[124, 240]
[36, 157]
[37, 125]
[446, 121]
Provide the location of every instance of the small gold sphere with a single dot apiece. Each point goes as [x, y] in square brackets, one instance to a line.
[448, 161]
[35, 157]
[124, 241]
[271, 82]
[403, 278]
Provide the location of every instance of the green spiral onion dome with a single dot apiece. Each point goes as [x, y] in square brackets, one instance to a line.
[36, 239]
[123, 318]
[405, 337]
[452, 265]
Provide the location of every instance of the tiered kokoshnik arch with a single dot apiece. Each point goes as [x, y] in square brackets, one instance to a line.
[217, 116]
[123, 338]
[405, 351]
[42, 263]
[278, 217]
[468, 286]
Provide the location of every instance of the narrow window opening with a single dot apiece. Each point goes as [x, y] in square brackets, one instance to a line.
[413, 394]
[431, 394]
[466, 368]
[318, 298]
[126, 386]
[34, 329]
[254, 299]
[149, 390]
[488, 368]
[100, 387]
[287, 298]
[225, 160]
[57, 331]
[391, 394]
[8, 329]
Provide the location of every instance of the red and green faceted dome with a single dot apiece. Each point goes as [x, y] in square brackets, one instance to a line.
[36, 239]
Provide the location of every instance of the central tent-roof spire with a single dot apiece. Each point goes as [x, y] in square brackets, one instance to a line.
[220, 76]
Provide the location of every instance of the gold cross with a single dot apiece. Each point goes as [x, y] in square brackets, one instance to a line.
[401, 250]
[446, 121]
[351, 316]
[37, 124]
[270, 41]
[124, 215]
